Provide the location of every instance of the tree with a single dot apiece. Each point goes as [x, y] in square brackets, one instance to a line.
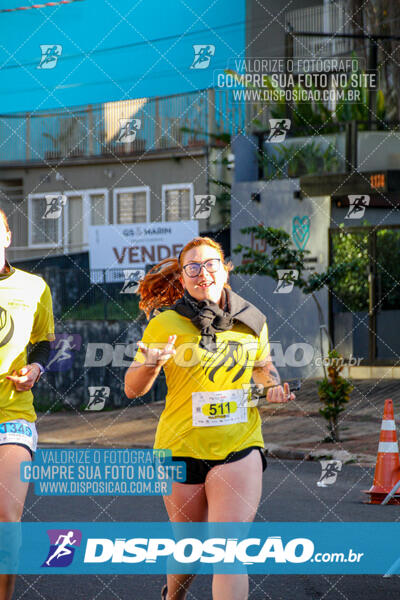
[352, 288]
[280, 254]
[312, 113]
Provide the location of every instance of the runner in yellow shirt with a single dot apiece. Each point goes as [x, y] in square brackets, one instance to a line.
[211, 343]
[26, 317]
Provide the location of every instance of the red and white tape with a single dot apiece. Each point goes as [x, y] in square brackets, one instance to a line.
[5, 10]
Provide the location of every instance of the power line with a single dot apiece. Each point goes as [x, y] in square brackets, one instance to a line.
[355, 36]
[8, 10]
[154, 41]
[129, 79]
[134, 44]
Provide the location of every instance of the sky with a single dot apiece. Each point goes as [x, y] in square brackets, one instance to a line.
[112, 50]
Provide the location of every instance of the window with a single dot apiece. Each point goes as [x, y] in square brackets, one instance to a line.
[83, 208]
[70, 228]
[132, 205]
[75, 231]
[42, 231]
[177, 202]
[97, 209]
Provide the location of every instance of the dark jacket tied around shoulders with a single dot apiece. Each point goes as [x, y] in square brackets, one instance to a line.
[211, 319]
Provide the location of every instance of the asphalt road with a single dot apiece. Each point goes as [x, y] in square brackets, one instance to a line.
[290, 494]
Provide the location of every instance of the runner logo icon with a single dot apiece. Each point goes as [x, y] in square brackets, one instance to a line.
[329, 472]
[202, 55]
[97, 397]
[63, 543]
[62, 351]
[279, 129]
[357, 206]
[50, 55]
[286, 279]
[128, 129]
[203, 206]
[132, 278]
[54, 205]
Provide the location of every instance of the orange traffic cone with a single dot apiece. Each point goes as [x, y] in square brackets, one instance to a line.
[387, 470]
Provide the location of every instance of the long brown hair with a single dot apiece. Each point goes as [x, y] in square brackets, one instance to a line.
[3, 217]
[161, 285]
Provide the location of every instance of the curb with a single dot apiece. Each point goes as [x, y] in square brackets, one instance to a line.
[271, 451]
[284, 453]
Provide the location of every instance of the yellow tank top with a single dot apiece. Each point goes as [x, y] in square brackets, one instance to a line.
[203, 388]
[26, 316]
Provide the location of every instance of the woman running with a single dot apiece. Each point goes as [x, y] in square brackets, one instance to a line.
[210, 342]
[26, 316]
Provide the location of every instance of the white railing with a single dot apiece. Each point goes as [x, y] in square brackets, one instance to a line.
[329, 18]
[178, 121]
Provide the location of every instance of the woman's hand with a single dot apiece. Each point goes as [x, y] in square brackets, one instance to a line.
[25, 378]
[279, 394]
[156, 357]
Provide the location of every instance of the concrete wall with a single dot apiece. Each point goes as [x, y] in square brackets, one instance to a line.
[292, 318]
[377, 150]
[153, 173]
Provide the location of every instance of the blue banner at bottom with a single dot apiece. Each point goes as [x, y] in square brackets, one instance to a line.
[155, 548]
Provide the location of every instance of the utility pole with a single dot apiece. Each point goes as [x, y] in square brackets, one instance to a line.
[289, 53]
[372, 68]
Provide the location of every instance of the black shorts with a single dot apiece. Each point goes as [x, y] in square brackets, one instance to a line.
[18, 444]
[197, 468]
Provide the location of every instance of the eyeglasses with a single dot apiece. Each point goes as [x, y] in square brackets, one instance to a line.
[194, 269]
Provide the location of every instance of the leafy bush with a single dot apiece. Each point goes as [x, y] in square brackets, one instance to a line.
[352, 287]
[299, 159]
[388, 268]
[334, 391]
[314, 114]
[121, 309]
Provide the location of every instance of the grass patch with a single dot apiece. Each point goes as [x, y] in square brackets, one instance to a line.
[121, 309]
[43, 404]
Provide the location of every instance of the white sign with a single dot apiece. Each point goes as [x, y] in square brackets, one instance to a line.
[115, 248]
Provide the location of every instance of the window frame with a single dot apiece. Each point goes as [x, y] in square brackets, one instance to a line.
[176, 186]
[86, 215]
[31, 198]
[134, 189]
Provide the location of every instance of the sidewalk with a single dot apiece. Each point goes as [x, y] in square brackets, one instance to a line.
[293, 430]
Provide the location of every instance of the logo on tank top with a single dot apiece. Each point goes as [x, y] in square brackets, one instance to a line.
[6, 327]
[228, 355]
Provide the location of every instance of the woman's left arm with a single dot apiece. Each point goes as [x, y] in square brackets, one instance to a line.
[268, 376]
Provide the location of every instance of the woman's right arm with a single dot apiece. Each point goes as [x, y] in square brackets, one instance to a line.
[140, 377]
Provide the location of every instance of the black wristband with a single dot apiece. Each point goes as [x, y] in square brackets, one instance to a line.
[39, 353]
